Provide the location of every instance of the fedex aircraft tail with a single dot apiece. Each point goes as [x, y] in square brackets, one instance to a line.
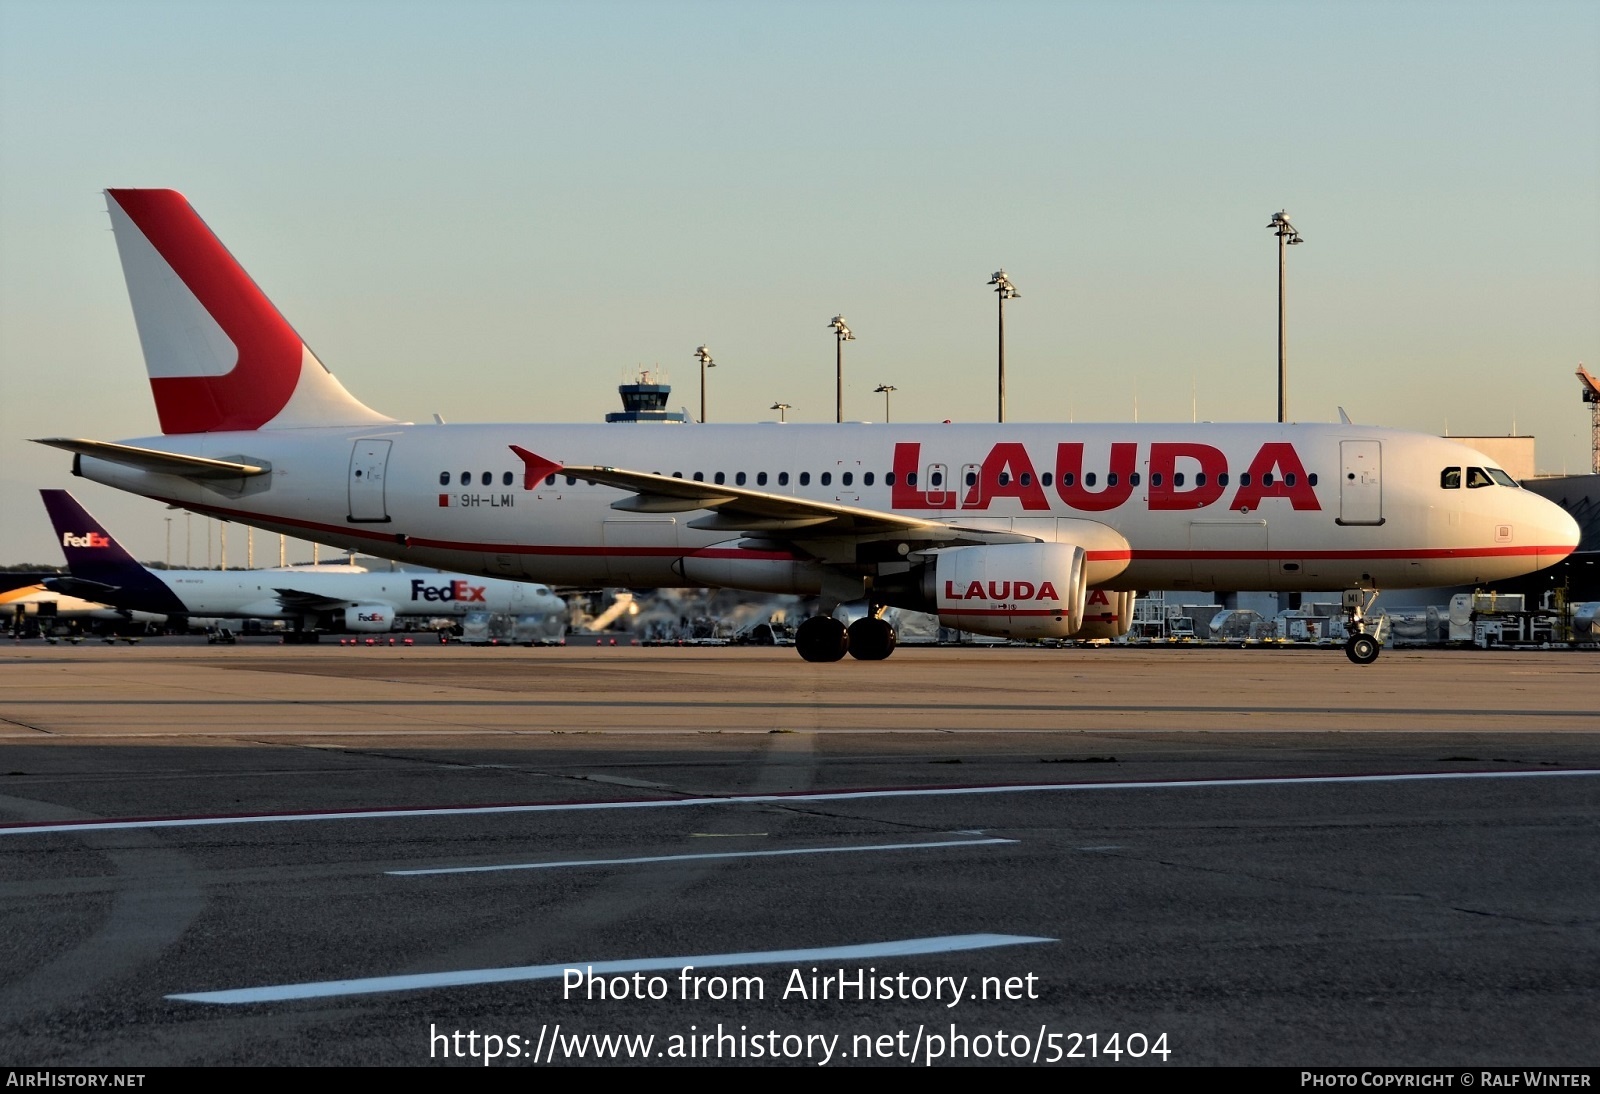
[91, 551]
[220, 356]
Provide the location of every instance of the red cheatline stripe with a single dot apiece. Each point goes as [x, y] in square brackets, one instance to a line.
[782, 556]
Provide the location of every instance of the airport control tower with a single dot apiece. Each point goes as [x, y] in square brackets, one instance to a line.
[645, 400]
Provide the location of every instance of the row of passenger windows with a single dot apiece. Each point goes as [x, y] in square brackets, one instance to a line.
[936, 478]
[1450, 478]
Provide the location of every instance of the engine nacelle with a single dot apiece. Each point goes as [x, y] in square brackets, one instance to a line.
[736, 565]
[1106, 614]
[1013, 590]
[369, 617]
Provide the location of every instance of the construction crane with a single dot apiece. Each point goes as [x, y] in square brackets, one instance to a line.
[1591, 395]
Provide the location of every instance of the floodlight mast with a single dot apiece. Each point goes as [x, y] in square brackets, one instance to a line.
[783, 411]
[841, 334]
[1003, 290]
[885, 389]
[1287, 235]
[706, 362]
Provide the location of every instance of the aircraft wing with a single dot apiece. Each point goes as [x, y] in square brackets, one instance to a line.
[738, 509]
[294, 600]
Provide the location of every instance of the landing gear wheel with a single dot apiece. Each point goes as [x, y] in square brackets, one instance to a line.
[871, 639]
[1362, 649]
[821, 638]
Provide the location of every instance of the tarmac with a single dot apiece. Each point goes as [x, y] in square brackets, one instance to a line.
[336, 854]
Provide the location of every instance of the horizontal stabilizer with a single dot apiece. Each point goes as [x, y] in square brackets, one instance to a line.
[150, 459]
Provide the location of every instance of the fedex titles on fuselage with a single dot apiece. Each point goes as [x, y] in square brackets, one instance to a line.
[459, 591]
[1182, 475]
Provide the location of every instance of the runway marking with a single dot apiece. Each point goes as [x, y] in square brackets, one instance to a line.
[371, 985]
[693, 858]
[49, 827]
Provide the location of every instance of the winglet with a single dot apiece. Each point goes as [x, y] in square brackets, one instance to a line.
[534, 467]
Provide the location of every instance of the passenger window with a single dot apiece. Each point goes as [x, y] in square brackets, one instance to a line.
[1134, 478]
[846, 478]
[699, 476]
[936, 479]
[1111, 479]
[1026, 479]
[1199, 478]
[1005, 478]
[1288, 479]
[1244, 478]
[677, 474]
[444, 478]
[549, 480]
[805, 478]
[1177, 478]
[1045, 478]
[911, 478]
[1067, 478]
[866, 478]
[1155, 478]
[1088, 479]
[506, 478]
[738, 480]
[571, 481]
[488, 478]
[466, 478]
[783, 478]
[1222, 478]
[1312, 478]
[1476, 477]
[972, 478]
[719, 478]
[827, 478]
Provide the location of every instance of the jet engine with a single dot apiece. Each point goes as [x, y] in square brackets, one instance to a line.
[368, 617]
[1106, 614]
[1013, 590]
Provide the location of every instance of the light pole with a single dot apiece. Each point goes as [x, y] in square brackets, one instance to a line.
[783, 411]
[169, 541]
[886, 388]
[706, 362]
[1286, 236]
[1003, 290]
[841, 335]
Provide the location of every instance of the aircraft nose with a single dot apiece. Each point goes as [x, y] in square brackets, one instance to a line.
[1559, 534]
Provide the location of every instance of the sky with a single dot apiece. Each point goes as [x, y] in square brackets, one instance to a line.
[498, 211]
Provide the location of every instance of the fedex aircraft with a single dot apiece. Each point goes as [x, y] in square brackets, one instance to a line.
[1025, 531]
[365, 602]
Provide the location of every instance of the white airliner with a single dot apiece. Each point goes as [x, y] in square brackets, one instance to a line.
[1014, 530]
[311, 599]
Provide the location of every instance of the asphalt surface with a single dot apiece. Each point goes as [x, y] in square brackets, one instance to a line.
[211, 856]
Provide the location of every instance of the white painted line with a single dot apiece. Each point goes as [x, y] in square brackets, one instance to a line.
[691, 858]
[372, 985]
[26, 828]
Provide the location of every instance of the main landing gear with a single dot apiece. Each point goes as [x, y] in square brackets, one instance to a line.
[824, 638]
[1360, 647]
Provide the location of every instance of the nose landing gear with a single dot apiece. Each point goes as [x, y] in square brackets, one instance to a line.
[1361, 647]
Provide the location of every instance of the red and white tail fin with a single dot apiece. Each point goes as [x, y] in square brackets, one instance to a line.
[220, 356]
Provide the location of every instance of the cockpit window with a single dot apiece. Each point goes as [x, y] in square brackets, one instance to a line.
[1476, 477]
[1501, 477]
[1450, 478]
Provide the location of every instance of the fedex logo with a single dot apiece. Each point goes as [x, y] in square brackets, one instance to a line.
[1179, 475]
[456, 590]
[371, 617]
[88, 539]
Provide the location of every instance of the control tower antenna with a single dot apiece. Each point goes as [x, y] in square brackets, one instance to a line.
[1591, 395]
